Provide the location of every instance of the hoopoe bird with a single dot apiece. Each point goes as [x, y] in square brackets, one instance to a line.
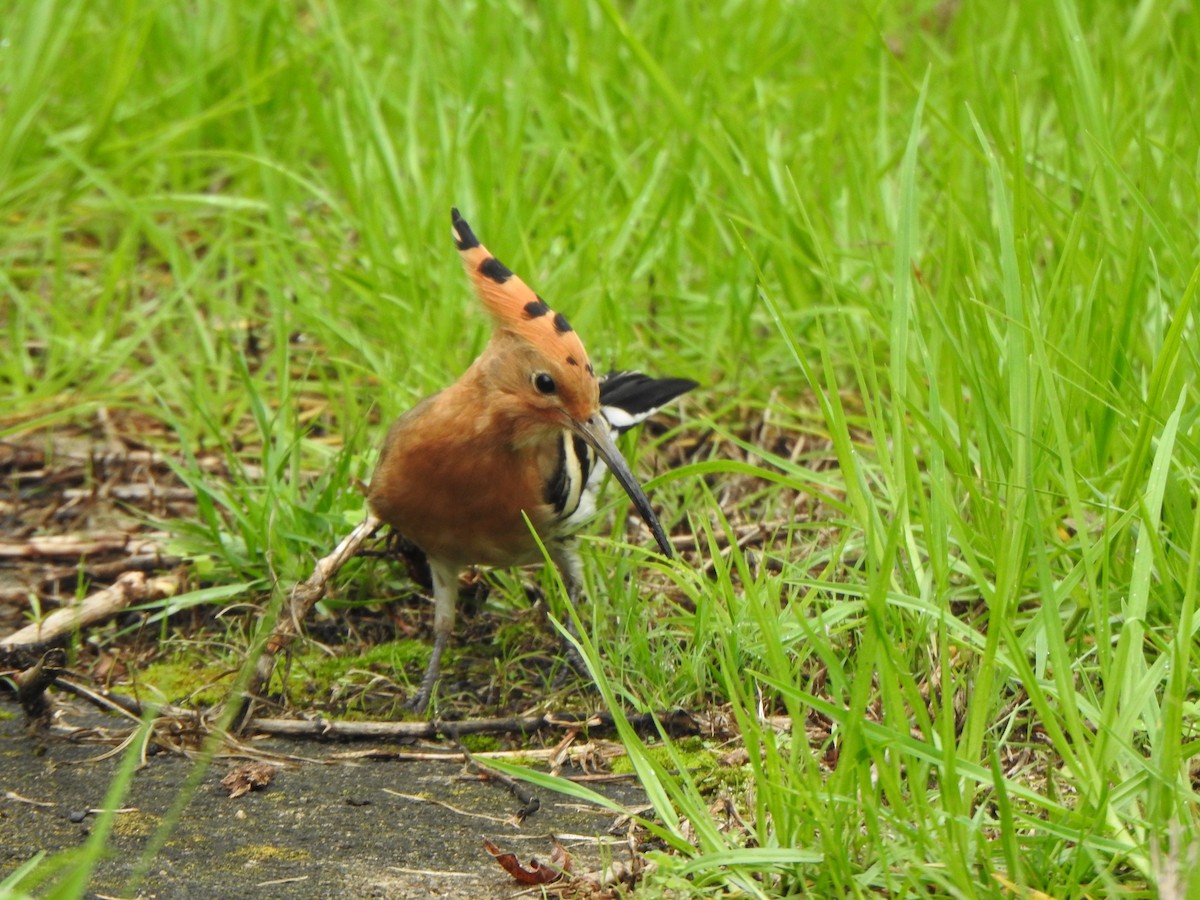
[526, 431]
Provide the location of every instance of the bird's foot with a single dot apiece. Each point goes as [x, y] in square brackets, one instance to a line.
[575, 664]
[420, 702]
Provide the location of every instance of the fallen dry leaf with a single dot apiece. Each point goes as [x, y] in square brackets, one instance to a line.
[248, 777]
[535, 872]
[735, 758]
[559, 856]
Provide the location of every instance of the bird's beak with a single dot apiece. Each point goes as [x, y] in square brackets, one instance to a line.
[596, 432]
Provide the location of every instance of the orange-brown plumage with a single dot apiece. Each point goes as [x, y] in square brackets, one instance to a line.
[461, 470]
[488, 454]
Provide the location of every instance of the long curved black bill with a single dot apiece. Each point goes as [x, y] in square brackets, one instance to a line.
[596, 432]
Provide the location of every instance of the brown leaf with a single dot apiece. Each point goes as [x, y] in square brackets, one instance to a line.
[248, 777]
[559, 857]
[535, 872]
[735, 758]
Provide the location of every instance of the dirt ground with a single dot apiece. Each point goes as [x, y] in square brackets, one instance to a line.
[78, 512]
[74, 508]
[324, 827]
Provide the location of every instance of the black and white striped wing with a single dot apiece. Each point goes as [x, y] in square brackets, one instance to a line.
[629, 398]
[626, 400]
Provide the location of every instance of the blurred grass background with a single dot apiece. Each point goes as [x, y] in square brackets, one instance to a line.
[950, 245]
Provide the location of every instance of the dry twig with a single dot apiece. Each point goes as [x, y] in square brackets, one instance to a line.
[130, 588]
[677, 722]
[32, 683]
[103, 571]
[73, 546]
[304, 596]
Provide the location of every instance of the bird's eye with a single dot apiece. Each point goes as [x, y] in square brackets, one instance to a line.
[544, 383]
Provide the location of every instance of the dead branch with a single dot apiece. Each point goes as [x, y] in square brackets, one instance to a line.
[70, 546]
[132, 493]
[545, 754]
[31, 461]
[49, 672]
[521, 793]
[100, 570]
[32, 683]
[676, 722]
[101, 699]
[303, 597]
[130, 588]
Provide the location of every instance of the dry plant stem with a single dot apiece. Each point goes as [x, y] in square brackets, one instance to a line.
[527, 798]
[542, 754]
[70, 546]
[31, 461]
[133, 493]
[130, 588]
[110, 701]
[304, 596]
[105, 570]
[676, 722]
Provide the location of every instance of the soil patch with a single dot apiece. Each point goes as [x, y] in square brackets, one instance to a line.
[323, 827]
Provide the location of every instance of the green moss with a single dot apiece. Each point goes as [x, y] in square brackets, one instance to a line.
[320, 671]
[480, 743]
[262, 852]
[338, 684]
[389, 657]
[697, 758]
[527, 762]
[185, 678]
[135, 824]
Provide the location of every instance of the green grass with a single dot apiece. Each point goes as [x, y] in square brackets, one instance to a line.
[953, 246]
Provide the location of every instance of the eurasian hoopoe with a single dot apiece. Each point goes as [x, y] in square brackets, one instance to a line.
[528, 428]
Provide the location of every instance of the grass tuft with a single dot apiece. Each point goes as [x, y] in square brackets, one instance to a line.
[934, 264]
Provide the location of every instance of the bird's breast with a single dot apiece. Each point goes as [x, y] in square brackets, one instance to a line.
[462, 495]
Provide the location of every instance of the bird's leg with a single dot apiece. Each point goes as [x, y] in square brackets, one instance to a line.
[565, 553]
[445, 599]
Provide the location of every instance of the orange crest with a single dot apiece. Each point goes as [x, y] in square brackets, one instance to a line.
[513, 305]
[550, 349]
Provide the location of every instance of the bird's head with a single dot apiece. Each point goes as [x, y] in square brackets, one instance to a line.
[539, 362]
